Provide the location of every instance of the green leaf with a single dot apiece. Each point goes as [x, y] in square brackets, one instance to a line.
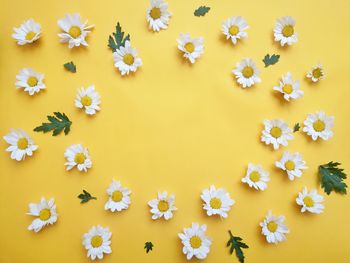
[85, 197]
[201, 11]
[117, 39]
[70, 66]
[270, 60]
[331, 177]
[296, 127]
[236, 245]
[57, 123]
[148, 246]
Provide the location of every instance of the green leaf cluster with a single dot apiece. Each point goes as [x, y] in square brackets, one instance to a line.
[296, 127]
[236, 244]
[201, 11]
[70, 66]
[85, 197]
[117, 39]
[331, 177]
[148, 246]
[57, 123]
[270, 60]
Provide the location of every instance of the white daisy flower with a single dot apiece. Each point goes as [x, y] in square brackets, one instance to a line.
[319, 125]
[45, 213]
[119, 197]
[289, 88]
[158, 15]
[97, 242]
[126, 60]
[162, 206]
[284, 31]
[316, 73]
[27, 33]
[273, 228]
[256, 177]
[234, 28]
[216, 201]
[192, 48]
[88, 99]
[21, 144]
[310, 201]
[277, 133]
[246, 73]
[195, 242]
[74, 31]
[77, 155]
[31, 81]
[292, 163]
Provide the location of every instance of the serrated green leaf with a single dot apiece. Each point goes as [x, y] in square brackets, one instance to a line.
[57, 123]
[148, 246]
[236, 245]
[70, 66]
[85, 197]
[331, 178]
[201, 11]
[296, 127]
[270, 60]
[117, 39]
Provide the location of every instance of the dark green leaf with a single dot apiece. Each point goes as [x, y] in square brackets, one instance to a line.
[85, 197]
[201, 11]
[70, 66]
[331, 177]
[236, 245]
[270, 60]
[57, 123]
[117, 39]
[296, 127]
[148, 246]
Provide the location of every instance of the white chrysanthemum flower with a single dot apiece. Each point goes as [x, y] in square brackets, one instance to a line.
[119, 197]
[246, 73]
[256, 177]
[126, 60]
[284, 31]
[195, 242]
[97, 242]
[234, 28]
[292, 163]
[217, 201]
[88, 99]
[31, 81]
[21, 144]
[310, 201]
[289, 88]
[75, 31]
[319, 125]
[28, 32]
[273, 228]
[45, 213]
[277, 133]
[158, 15]
[192, 48]
[77, 155]
[162, 206]
[316, 73]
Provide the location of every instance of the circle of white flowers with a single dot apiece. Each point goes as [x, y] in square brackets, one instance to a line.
[118, 197]
[276, 132]
[234, 28]
[45, 213]
[158, 15]
[273, 228]
[30, 80]
[246, 73]
[319, 125]
[310, 201]
[162, 206]
[217, 201]
[21, 145]
[78, 156]
[88, 99]
[27, 33]
[256, 177]
[292, 163]
[97, 242]
[289, 88]
[192, 48]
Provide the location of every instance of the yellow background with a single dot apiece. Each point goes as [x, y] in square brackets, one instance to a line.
[172, 126]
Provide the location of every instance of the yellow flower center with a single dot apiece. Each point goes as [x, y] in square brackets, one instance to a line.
[155, 13]
[32, 81]
[22, 143]
[74, 31]
[128, 59]
[288, 31]
[276, 132]
[45, 214]
[96, 241]
[248, 72]
[290, 165]
[215, 203]
[319, 126]
[79, 158]
[163, 206]
[254, 176]
[30, 35]
[287, 88]
[233, 30]
[189, 47]
[272, 226]
[195, 241]
[117, 196]
[317, 73]
[86, 101]
[308, 201]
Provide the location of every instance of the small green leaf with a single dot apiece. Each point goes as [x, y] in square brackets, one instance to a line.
[117, 39]
[85, 197]
[57, 123]
[201, 11]
[70, 66]
[148, 246]
[235, 244]
[270, 60]
[296, 127]
[331, 177]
